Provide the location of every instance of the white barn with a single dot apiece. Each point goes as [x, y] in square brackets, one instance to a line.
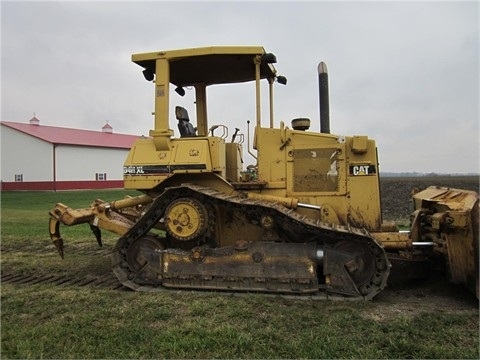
[37, 157]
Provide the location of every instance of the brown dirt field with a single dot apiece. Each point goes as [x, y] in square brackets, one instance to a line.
[434, 293]
[395, 191]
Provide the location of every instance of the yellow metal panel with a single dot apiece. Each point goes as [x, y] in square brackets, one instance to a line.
[360, 144]
[191, 152]
[143, 182]
[233, 156]
[218, 154]
[461, 258]
[143, 152]
[162, 83]
[271, 157]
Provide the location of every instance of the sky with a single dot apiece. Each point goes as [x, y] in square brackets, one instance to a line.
[404, 73]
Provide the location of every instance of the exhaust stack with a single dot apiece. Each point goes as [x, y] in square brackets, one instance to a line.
[323, 98]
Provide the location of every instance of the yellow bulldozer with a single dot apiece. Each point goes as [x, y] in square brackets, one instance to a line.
[304, 219]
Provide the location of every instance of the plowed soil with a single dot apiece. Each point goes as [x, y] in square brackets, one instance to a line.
[395, 191]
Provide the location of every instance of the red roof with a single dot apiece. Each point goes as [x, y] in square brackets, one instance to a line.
[68, 136]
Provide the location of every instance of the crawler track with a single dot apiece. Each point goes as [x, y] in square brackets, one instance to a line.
[148, 273]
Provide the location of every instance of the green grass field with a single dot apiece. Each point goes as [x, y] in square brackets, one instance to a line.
[47, 321]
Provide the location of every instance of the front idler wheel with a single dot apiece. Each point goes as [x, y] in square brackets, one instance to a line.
[144, 259]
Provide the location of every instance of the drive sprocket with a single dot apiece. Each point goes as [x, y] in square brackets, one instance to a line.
[186, 219]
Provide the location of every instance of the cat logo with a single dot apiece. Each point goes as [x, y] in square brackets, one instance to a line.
[362, 170]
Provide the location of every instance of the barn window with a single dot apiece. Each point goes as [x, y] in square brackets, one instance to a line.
[101, 176]
[18, 177]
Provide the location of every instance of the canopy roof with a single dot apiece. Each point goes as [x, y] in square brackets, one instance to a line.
[209, 65]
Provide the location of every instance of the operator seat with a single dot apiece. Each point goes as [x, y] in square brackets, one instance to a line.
[184, 125]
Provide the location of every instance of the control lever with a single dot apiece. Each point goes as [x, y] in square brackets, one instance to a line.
[235, 134]
[213, 128]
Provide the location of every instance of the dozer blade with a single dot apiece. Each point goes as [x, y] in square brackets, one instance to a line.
[450, 219]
